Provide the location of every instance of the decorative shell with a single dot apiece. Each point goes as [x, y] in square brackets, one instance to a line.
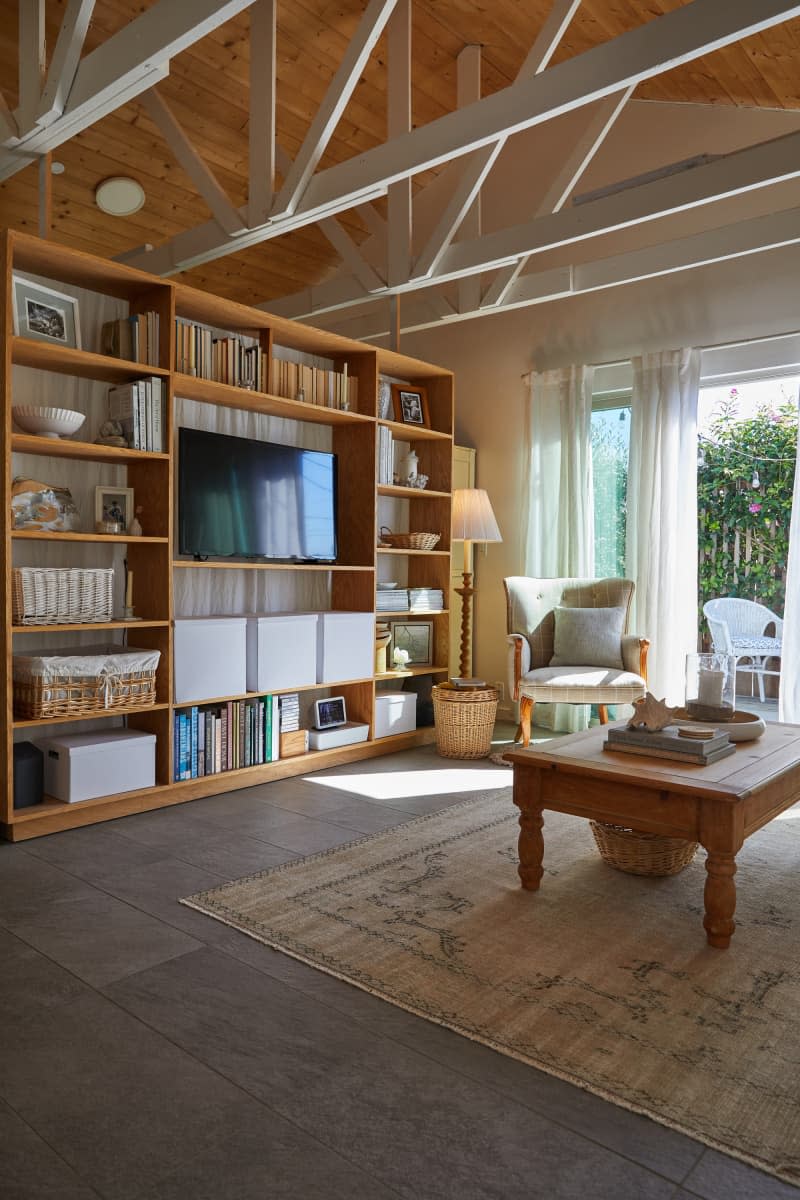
[651, 714]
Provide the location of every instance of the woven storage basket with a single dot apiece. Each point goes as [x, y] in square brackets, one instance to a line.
[53, 595]
[464, 721]
[410, 541]
[87, 679]
[640, 853]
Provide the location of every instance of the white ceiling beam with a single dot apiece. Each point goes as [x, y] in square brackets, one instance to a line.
[549, 37]
[468, 90]
[65, 60]
[198, 171]
[576, 163]
[8, 123]
[350, 254]
[31, 60]
[336, 100]
[661, 44]
[398, 121]
[261, 131]
[126, 64]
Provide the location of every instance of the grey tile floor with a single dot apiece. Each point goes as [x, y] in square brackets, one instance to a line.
[150, 1053]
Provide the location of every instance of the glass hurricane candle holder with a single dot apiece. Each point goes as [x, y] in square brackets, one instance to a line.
[711, 686]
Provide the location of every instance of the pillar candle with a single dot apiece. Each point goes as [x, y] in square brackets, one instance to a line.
[129, 591]
[709, 688]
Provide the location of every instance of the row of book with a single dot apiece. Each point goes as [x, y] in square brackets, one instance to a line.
[234, 358]
[314, 385]
[138, 408]
[225, 737]
[415, 600]
[385, 455]
[135, 338]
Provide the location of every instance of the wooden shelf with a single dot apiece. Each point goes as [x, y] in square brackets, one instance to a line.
[411, 671]
[25, 352]
[89, 626]
[48, 535]
[426, 553]
[102, 715]
[404, 612]
[303, 687]
[191, 387]
[410, 493]
[29, 443]
[259, 566]
[415, 433]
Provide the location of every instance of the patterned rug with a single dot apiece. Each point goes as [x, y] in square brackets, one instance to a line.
[601, 978]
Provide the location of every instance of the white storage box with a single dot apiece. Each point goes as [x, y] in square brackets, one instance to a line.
[339, 735]
[210, 658]
[345, 646]
[80, 766]
[395, 712]
[281, 651]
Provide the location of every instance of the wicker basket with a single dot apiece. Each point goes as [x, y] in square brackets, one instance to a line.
[54, 595]
[72, 683]
[464, 721]
[640, 853]
[409, 541]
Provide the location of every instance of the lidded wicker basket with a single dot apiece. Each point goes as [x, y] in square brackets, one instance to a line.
[409, 541]
[639, 853]
[464, 720]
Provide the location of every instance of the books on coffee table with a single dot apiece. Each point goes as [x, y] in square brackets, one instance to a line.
[668, 743]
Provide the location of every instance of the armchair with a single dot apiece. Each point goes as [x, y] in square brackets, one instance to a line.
[568, 644]
[738, 628]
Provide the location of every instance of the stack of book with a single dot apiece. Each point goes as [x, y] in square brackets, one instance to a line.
[139, 408]
[289, 712]
[134, 338]
[314, 385]
[392, 600]
[234, 358]
[385, 455]
[225, 737]
[425, 599]
[670, 743]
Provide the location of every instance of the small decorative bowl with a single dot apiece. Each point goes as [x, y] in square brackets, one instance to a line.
[47, 422]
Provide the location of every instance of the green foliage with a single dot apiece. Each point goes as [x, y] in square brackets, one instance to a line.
[610, 471]
[728, 503]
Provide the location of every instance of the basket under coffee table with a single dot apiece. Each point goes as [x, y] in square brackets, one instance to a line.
[718, 805]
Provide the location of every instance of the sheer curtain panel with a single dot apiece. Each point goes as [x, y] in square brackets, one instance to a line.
[789, 693]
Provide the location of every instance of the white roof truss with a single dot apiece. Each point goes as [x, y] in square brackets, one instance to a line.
[66, 57]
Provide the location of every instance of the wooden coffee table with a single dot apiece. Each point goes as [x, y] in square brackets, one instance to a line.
[719, 805]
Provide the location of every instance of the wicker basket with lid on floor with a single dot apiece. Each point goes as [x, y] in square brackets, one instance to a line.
[464, 720]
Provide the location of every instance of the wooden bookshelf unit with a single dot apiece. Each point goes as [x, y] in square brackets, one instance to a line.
[154, 558]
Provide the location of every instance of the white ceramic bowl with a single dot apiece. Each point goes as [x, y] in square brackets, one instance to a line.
[47, 422]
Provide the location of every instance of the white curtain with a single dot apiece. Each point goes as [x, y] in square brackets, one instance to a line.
[559, 529]
[661, 543]
[789, 693]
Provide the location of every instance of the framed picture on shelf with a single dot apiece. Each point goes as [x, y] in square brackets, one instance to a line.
[45, 315]
[410, 405]
[416, 638]
[113, 506]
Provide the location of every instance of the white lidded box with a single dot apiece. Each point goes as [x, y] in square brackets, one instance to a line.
[281, 651]
[395, 712]
[81, 766]
[345, 646]
[210, 656]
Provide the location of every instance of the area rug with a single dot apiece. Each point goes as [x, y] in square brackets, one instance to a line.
[601, 978]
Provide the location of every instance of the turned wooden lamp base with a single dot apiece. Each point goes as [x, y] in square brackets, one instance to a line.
[466, 592]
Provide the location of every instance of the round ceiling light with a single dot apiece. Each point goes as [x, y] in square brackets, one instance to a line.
[119, 196]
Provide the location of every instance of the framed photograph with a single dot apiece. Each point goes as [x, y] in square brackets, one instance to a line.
[45, 315]
[410, 405]
[330, 712]
[113, 506]
[415, 637]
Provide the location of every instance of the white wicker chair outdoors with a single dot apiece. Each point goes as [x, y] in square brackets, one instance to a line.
[738, 627]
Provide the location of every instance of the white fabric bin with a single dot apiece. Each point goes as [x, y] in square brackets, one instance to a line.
[395, 712]
[210, 657]
[345, 646]
[281, 651]
[81, 766]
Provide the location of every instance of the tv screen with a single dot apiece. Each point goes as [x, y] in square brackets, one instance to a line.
[239, 498]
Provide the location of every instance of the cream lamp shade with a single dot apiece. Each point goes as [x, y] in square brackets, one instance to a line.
[473, 519]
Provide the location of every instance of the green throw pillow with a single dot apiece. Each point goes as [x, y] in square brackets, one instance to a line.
[588, 637]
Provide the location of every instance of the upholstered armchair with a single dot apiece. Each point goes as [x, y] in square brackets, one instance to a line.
[568, 644]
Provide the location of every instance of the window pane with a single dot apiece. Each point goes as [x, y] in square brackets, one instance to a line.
[610, 441]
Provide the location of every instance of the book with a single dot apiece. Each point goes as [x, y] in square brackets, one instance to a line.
[666, 739]
[697, 760]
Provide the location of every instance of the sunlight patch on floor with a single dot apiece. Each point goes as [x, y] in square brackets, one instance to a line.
[394, 785]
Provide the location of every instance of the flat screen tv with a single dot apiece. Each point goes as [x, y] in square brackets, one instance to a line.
[239, 498]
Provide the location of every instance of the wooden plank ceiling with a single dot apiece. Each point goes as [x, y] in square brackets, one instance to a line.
[208, 90]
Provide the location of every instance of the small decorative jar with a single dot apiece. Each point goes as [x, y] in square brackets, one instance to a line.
[711, 686]
[410, 468]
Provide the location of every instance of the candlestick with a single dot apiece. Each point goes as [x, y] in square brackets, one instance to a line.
[129, 591]
[709, 688]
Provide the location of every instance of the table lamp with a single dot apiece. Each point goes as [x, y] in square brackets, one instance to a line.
[473, 521]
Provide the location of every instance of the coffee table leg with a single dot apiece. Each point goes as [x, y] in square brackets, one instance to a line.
[527, 797]
[720, 898]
